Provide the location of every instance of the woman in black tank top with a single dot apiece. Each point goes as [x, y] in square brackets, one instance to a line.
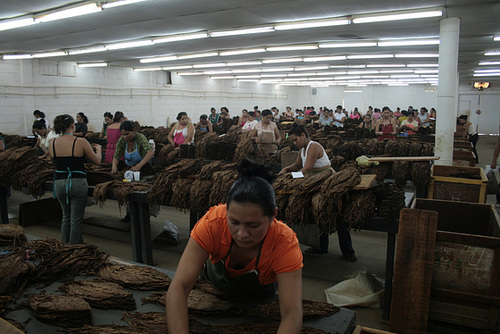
[70, 180]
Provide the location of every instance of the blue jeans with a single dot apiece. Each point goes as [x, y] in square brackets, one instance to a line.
[73, 204]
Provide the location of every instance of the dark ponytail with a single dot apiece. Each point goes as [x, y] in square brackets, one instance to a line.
[254, 185]
[85, 119]
[108, 115]
[39, 125]
[62, 123]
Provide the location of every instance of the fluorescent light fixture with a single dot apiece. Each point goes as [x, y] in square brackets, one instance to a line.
[254, 70]
[120, 3]
[190, 73]
[217, 72]
[280, 75]
[247, 76]
[72, 12]
[347, 77]
[23, 56]
[248, 80]
[147, 69]
[422, 65]
[396, 17]
[361, 72]
[174, 68]
[292, 47]
[296, 79]
[429, 76]
[49, 54]
[223, 77]
[355, 85]
[312, 68]
[417, 55]
[301, 74]
[241, 52]
[370, 56]
[245, 63]
[209, 65]
[325, 58]
[496, 38]
[93, 65]
[487, 70]
[492, 53]
[409, 42]
[353, 91]
[426, 71]
[347, 45]
[87, 50]
[125, 45]
[489, 63]
[277, 69]
[404, 76]
[332, 73]
[375, 76]
[347, 66]
[326, 78]
[396, 71]
[398, 84]
[180, 37]
[281, 60]
[385, 65]
[157, 59]
[311, 24]
[6, 25]
[245, 31]
[198, 55]
[491, 74]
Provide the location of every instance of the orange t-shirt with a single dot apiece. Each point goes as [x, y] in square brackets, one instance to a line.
[280, 252]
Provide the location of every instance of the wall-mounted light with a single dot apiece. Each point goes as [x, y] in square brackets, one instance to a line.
[481, 85]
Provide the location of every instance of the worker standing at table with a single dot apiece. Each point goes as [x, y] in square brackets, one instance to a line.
[243, 250]
[312, 158]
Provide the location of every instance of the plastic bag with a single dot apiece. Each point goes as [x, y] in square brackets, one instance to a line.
[169, 234]
[493, 176]
[362, 289]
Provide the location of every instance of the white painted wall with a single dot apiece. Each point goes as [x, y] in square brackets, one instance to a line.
[57, 88]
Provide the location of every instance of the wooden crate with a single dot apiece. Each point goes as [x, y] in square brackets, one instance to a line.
[462, 145]
[464, 158]
[465, 287]
[450, 183]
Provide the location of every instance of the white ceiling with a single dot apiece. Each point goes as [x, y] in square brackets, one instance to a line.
[480, 21]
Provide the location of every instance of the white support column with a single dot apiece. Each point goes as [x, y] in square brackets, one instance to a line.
[447, 101]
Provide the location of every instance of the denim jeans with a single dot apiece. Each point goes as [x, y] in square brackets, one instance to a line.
[73, 205]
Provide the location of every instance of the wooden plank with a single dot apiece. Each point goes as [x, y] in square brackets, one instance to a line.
[389, 159]
[367, 330]
[413, 271]
[367, 181]
[7, 328]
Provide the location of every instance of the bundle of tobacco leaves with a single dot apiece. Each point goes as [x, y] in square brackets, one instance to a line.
[207, 170]
[373, 147]
[14, 161]
[427, 150]
[224, 126]
[221, 181]
[391, 148]
[120, 190]
[334, 143]
[181, 193]
[105, 329]
[233, 134]
[350, 150]
[381, 171]
[40, 249]
[100, 173]
[285, 183]
[261, 328]
[14, 272]
[199, 302]
[187, 151]
[201, 145]
[421, 173]
[245, 147]
[337, 161]
[167, 154]
[4, 301]
[358, 207]
[161, 134]
[161, 190]
[32, 174]
[401, 172]
[414, 149]
[64, 311]
[13, 141]
[135, 277]
[148, 131]
[207, 287]
[199, 196]
[11, 235]
[156, 323]
[68, 262]
[101, 294]
[310, 310]
[390, 201]
[328, 202]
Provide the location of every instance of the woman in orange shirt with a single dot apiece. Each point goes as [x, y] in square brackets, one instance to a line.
[243, 250]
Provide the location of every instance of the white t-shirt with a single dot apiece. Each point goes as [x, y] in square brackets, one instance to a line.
[250, 125]
[44, 142]
[338, 117]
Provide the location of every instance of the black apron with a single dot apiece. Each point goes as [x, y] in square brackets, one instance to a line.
[246, 286]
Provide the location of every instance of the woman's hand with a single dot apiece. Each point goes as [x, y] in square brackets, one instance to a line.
[135, 168]
[283, 171]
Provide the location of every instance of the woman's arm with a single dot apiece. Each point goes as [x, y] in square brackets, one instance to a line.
[96, 156]
[190, 135]
[149, 155]
[495, 154]
[2, 145]
[277, 134]
[314, 153]
[210, 127]
[189, 268]
[101, 135]
[297, 165]
[290, 297]
[394, 126]
[170, 136]
[377, 132]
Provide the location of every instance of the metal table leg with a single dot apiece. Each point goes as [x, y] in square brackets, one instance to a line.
[135, 231]
[4, 213]
[389, 274]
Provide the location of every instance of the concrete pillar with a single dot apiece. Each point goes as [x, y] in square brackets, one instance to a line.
[447, 101]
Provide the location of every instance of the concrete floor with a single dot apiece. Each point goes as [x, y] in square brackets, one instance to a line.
[319, 273]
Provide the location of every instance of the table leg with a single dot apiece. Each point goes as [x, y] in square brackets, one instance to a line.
[389, 274]
[135, 231]
[193, 219]
[4, 213]
[145, 226]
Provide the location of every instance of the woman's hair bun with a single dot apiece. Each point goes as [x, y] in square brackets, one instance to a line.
[248, 168]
